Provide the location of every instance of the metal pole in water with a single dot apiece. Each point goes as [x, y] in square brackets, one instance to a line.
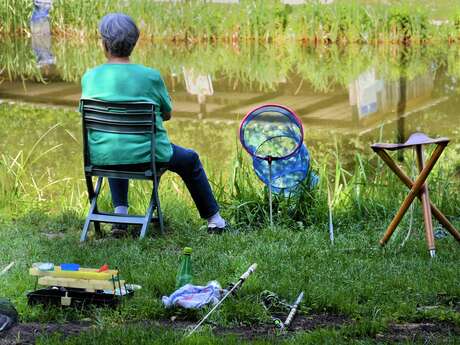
[331, 225]
[270, 190]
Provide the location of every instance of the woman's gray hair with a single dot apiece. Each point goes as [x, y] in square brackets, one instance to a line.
[119, 34]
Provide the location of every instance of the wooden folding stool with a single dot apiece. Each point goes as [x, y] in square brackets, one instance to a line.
[418, 188]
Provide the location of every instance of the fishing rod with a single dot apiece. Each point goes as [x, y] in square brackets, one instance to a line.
[284, 325]
[237, 285]
[7, 268]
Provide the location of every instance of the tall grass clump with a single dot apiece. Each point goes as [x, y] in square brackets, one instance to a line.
[17, 176]
[451, 28]
[363, 190]
[260, 20]
[341, 23]
[17, 61]
[247, 200]
[406, 24]
[15, 15]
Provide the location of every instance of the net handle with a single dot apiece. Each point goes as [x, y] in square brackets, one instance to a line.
[292, 112]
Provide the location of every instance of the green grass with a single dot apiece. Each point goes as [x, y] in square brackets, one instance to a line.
[43, 199]
[260, 20]
[355, 277]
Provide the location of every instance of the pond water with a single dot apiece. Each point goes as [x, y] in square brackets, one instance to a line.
[346, 97]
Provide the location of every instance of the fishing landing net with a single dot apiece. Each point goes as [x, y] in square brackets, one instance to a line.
[286, 174]
[271, 132]
[273, 135]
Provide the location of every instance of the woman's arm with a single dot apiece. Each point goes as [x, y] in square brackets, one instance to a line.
[164, 100]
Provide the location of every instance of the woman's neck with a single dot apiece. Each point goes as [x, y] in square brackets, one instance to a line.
[115, 59]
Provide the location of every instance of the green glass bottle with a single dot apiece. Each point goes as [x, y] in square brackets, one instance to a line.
[184, 274]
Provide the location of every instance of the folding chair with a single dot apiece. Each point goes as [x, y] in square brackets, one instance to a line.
[419, 187]
[122, 118]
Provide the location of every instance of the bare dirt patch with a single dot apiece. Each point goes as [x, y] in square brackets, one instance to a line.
[426, 330]
[308, 322]
[26, 333]
[301, 323]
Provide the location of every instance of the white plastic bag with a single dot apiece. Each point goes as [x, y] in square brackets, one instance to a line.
[194, 297]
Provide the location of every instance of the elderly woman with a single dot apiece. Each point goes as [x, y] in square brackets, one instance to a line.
[121, 80]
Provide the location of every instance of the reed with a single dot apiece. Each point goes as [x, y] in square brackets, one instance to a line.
[260, 20]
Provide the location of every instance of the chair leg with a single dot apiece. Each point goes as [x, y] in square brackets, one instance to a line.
[90, 189]
[148, 215]
[409, 183]
[97, 225]
[424, 196]
[158, 207]
[91, 211]
[414, 192]
[84, 232]
[93, 194]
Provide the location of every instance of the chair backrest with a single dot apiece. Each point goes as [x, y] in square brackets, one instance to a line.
[121, 118]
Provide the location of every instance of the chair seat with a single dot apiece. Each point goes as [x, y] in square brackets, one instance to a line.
[415, 139]
[142, 172]
[119, 218]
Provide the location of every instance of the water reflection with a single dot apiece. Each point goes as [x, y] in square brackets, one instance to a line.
[353, 90]
[41, 33]
[372, 97]
[402, 101]
[346, 97]
[363, 93]
[199, 85]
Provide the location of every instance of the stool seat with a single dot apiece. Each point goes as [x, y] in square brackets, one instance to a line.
[415, 139]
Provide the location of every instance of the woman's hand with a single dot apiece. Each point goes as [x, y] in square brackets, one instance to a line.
[166, 115]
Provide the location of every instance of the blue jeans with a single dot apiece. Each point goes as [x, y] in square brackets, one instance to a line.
[186, 163]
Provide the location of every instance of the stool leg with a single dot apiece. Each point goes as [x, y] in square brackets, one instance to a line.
[409, 183]
[413, 193]
[426, 205]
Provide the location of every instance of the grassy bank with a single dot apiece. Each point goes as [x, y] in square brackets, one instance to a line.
[35, 141]
[371, 287]
[261, 20]
[44, 203]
